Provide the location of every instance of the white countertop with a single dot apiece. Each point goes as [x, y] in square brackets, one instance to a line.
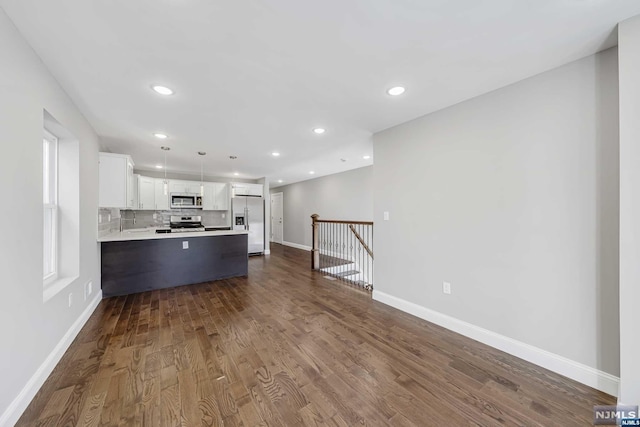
[150, 234]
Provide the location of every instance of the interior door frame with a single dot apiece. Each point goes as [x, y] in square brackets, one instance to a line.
[272, 239]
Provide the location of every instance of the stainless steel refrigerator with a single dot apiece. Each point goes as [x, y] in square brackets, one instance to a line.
[248, 214]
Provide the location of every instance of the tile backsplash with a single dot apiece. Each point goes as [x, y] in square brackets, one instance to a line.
[161, 218]
[108, 221]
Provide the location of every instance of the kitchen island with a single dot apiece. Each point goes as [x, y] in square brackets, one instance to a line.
[142, 260]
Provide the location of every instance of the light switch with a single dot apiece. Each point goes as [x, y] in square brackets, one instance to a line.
[185, 244]
[386, 216]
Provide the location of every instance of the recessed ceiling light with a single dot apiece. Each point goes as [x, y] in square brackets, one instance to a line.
[395, 91]
[319, 131]
[236, 173]
[311, 172]
[162, 90]
[275, 154]
[160, 135]
[366, 157]
[280, 181]
[159, 166]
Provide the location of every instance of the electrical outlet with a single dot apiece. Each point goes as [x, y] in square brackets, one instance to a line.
[185, 244]
[386, 216]
[446, 288]
[70, 299]
[108, 217]
[224, 215]
[88, 289]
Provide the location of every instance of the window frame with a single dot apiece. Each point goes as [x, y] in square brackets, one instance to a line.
[50, 232]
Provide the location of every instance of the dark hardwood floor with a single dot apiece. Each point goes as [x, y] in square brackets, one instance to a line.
[286, 347]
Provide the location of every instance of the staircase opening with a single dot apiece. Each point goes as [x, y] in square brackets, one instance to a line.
[343, 250]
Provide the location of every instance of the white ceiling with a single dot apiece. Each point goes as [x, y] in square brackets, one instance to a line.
[256, 76]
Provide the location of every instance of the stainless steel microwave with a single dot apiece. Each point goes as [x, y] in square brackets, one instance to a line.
[186, 201]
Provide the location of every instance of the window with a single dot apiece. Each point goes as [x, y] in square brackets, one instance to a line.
[50, 204]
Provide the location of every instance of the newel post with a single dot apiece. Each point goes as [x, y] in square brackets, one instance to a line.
[315, 250]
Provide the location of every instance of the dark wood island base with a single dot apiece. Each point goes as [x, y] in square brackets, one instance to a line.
[134, 266]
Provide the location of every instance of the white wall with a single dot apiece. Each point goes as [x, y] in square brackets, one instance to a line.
[347, 195]
[30, 329]
[512, 197]
[629, 45]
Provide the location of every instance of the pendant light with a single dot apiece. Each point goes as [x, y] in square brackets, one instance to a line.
[165, 184]
[202, 154]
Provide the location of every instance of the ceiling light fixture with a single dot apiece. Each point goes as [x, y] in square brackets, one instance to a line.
[236, 173]
[201, 154]
[275, 154]
[366, 157]
[319, 131]
[280, 181]
[395, 91]
[162, 90]
[159, 166]
[160, 135]
[165, 183]
[311, 172]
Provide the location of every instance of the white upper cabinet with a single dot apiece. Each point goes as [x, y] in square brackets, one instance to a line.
[116, 187]
[216, 196]
[146, 193]
[208, 201]
[161, 199]
[239, 189]
[178, 186]
[244, 189]
[256, 190]
[193, 187]
[222, 196]
[132, 194]
[121, 189]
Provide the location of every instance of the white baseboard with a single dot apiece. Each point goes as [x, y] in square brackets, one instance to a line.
[267, 252]
[297, 246]
[569, 368]
[13, 412]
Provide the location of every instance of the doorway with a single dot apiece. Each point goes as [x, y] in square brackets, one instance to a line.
[277, 221]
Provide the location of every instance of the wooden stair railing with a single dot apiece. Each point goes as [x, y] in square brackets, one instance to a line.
[343, 249]
[364, 245]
